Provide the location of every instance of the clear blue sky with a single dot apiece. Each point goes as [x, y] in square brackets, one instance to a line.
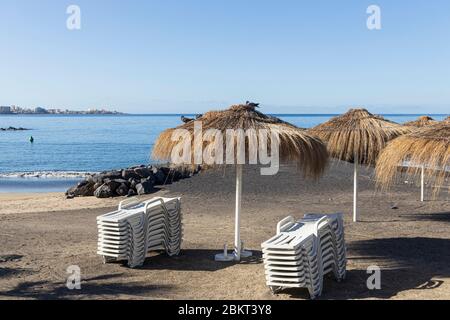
[163, 56]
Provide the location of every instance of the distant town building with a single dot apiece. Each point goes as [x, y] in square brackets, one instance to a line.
[40, 110]
[5, 110]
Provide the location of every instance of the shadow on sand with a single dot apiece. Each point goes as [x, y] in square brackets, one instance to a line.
[194, 260]
[44, 290]
[116, 284]
[437, 217]
[406, 264]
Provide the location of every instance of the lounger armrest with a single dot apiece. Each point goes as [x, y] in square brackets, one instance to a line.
[285, 223]
[128, 202]
[156, 200]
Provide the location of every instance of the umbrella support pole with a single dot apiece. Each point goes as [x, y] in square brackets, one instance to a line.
[355, 190]
[422, 184]
[239, 252]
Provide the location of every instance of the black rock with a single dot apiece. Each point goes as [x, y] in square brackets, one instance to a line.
[107, 175]
[97, 185]
[122, 190]
[137, 180]
[186, 172]
[143, 172]
[145, 187]
[82, 189]
[159, 176]
[104, 192]
[14, 129]
[133, 183]
[130, 174]
[149, 179]
[165, 170]
[140, 166]
[122, 181]
[97, 178]
[112, 184]
[175, 175]
[83, 183]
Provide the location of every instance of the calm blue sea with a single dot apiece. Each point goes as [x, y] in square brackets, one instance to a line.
[90, 143]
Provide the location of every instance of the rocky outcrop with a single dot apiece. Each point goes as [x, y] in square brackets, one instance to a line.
[129, 182]
[82, 189]
[13, 129]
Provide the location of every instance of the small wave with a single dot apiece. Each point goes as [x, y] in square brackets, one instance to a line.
[47, 175]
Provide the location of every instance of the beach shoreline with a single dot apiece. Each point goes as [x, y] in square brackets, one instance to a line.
[43, 234]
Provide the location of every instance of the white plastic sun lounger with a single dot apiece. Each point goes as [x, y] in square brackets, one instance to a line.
[303, 252]
[137, 228]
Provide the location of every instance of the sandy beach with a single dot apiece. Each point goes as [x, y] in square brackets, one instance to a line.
[43, 234]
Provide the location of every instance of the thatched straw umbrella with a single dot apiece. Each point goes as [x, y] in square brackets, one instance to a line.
[427, 147]
[357, 137]
[447, 119]
[421, 122]
[295, 146]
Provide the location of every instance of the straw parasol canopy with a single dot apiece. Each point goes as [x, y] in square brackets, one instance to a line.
[421, 122]
[357, 137]
[294, 146]
[427, 148]
[358, 133]
[447, 119]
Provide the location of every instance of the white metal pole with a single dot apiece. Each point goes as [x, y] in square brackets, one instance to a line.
[237, 231]
[355, 190]
[422, 184]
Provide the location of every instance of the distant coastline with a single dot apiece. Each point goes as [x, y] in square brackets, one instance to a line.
[14, 110]
[112, 113]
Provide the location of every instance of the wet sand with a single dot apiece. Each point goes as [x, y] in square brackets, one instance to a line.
[43, 234]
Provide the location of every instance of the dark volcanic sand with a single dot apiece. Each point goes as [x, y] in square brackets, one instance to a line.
[410, 244]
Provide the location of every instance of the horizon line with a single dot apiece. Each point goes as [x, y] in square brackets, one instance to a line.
[194, 114]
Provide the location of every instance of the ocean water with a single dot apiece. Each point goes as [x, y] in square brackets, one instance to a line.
[67, 146]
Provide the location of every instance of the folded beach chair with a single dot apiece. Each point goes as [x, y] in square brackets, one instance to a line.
[303, 252]
[137, 228]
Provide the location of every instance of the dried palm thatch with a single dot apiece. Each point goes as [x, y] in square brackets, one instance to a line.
[428, 147]
[447, 119]
[358, 133]
[296, 145]
[421, 122]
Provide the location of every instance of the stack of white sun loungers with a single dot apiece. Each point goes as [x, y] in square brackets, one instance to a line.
[303, 252]
[137, 228]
